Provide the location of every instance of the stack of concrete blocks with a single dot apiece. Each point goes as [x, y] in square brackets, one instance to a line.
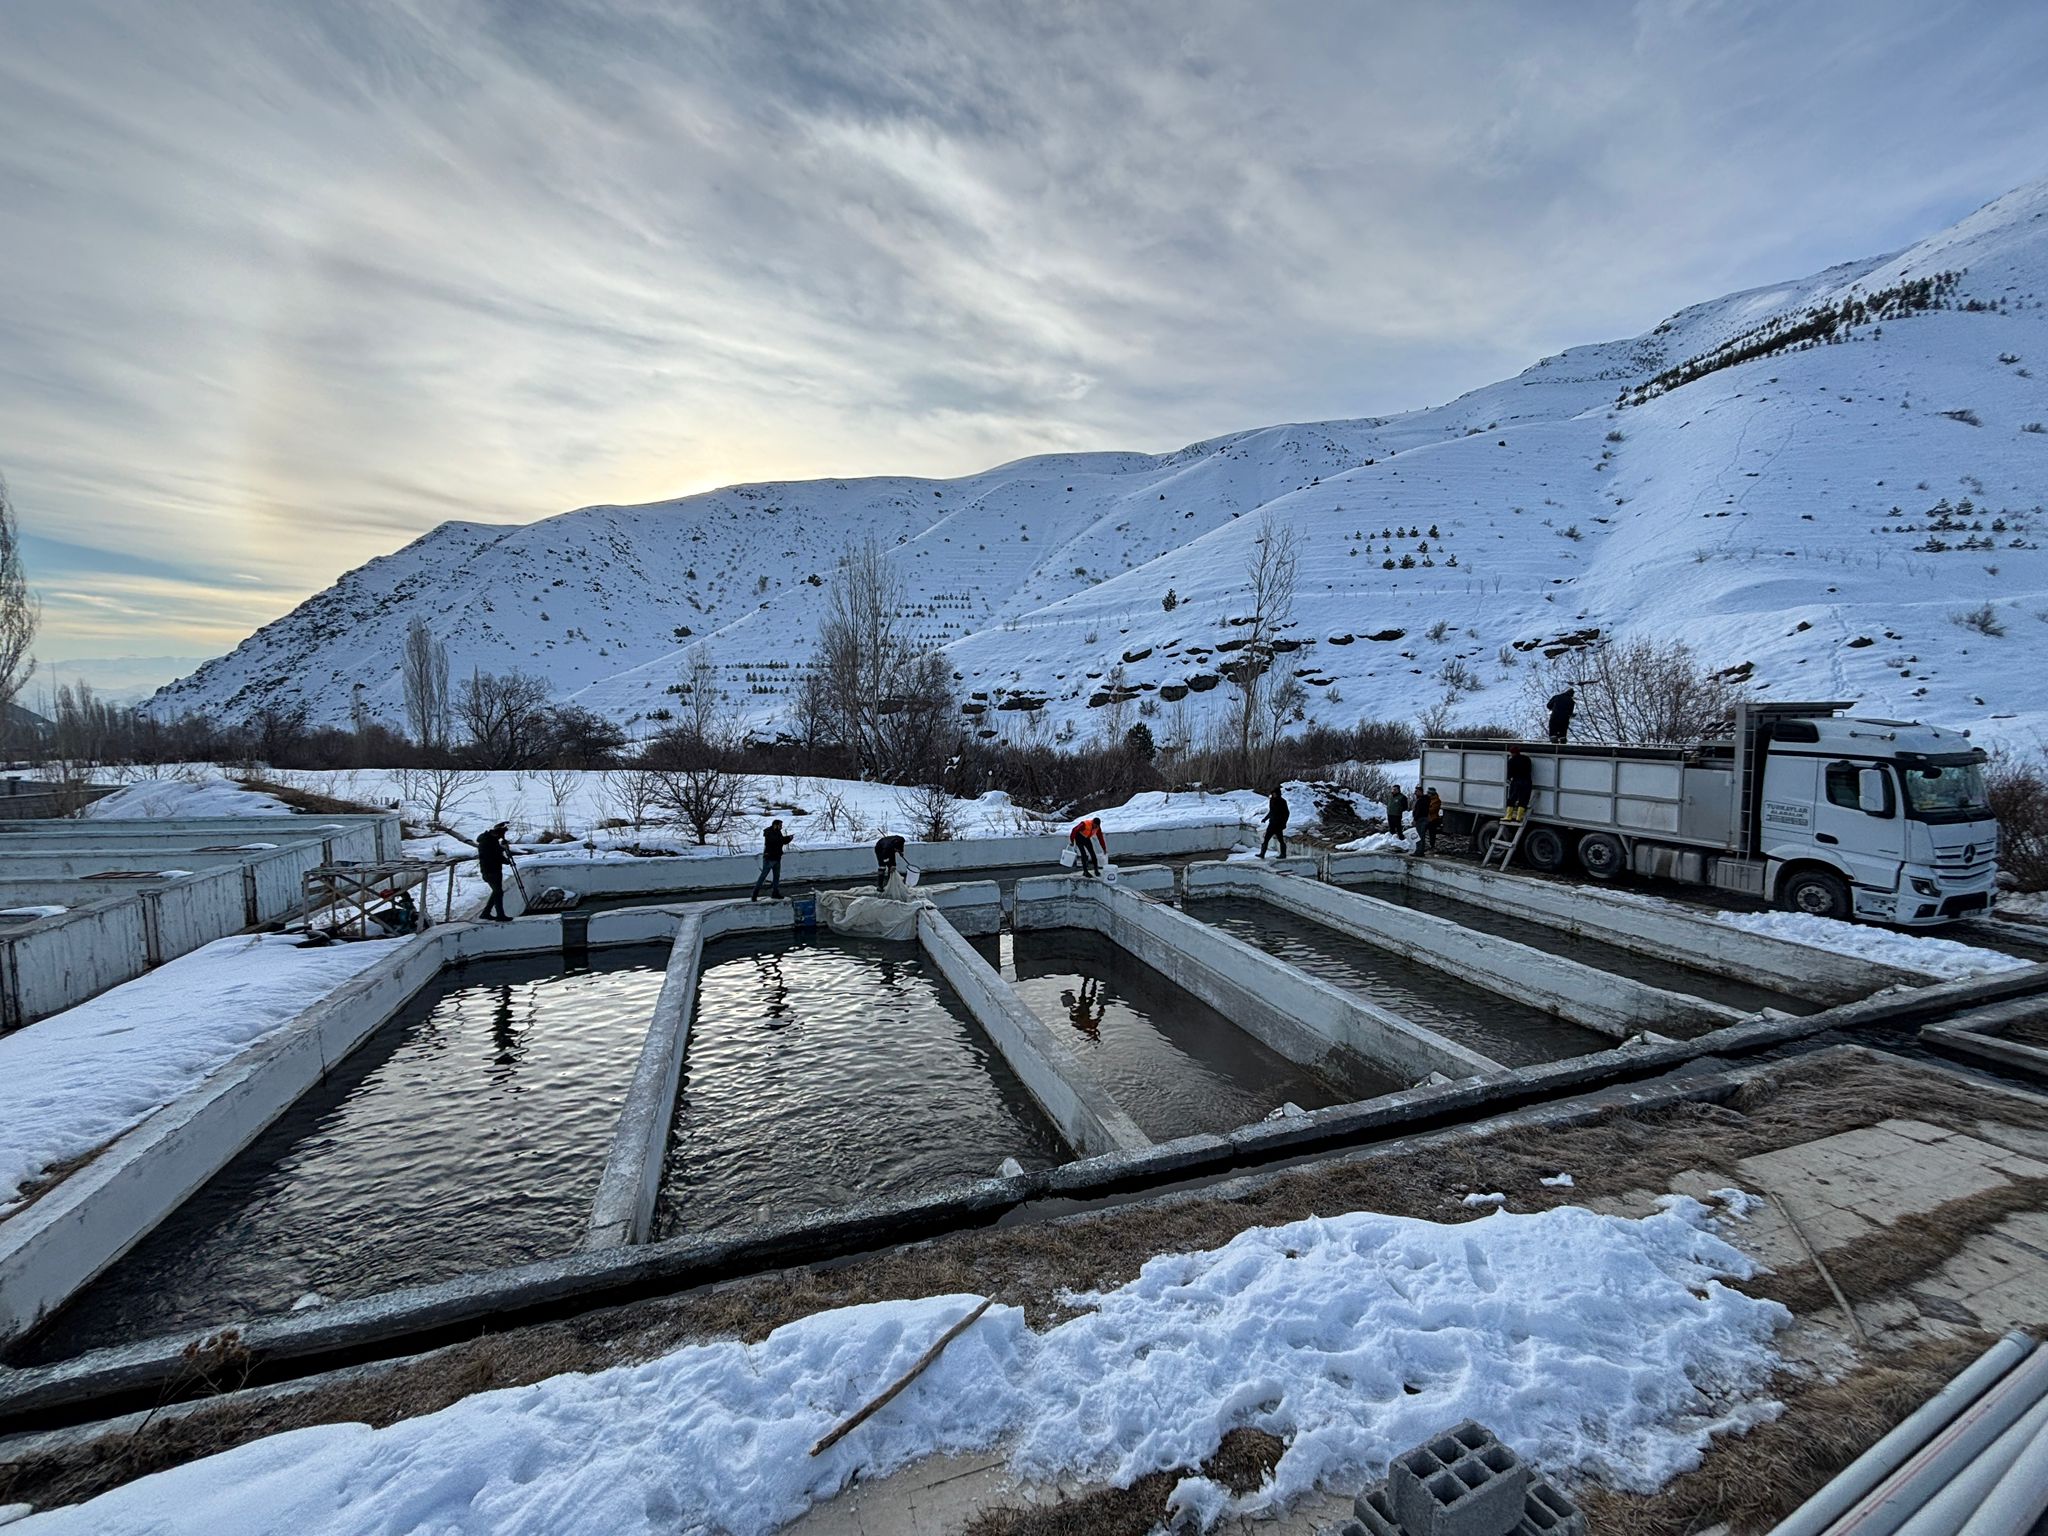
[1463, 1482]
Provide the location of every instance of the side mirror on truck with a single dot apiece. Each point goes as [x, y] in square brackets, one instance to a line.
[1873, 792]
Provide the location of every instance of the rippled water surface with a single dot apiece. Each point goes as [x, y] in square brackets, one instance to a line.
[1513, 1034]
[1174, 1064]
[828, 1071]
[466, 1134]
[1601, 956]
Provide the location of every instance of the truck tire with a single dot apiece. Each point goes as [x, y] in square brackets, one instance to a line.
[1816, 892]
[1602, 855]
[1544, 848]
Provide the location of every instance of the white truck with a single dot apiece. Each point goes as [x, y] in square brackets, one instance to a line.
[1798, 804]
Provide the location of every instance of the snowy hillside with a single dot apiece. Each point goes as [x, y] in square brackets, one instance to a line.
[1814, 479]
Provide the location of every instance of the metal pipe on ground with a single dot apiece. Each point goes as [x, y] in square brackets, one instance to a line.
[1886, 1508]
[1944, 1514]
[1908, 1436]
[2020, 1500]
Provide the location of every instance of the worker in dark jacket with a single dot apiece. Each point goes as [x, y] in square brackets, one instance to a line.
[1429, 817]
[773, 841]
[1521, 780]
[1397, 810]
[887, 852]
[493, 853]
[1276, 822]
[1561, 706]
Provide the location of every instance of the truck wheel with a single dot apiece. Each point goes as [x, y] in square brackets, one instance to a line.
[1601, 855]
[1543, 848]
[1484, 830]
[1816, 892]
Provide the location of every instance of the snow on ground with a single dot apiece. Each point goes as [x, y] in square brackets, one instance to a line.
[203, 792]
[1593, 1344]
[74, 1081]
[1946, 958]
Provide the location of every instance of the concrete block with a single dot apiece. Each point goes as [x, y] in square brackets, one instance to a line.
[1547, 1512]
[1142, 1165]
[1463, 1482]
[1375, 1511]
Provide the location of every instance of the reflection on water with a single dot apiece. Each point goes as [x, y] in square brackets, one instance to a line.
[827, 1071]
[1174, 1064]
[467, 1133]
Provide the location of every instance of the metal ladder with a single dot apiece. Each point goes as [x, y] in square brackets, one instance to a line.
[1507, 837]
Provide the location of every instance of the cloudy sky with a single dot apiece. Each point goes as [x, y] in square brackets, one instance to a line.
[284, 283]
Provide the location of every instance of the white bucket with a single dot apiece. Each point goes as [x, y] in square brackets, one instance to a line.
[1109, 876]
[1069, 857]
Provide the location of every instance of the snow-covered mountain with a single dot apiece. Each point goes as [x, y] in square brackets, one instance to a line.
[1814, 479]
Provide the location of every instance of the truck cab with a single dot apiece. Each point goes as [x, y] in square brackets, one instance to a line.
[1887, 817]
[1799, 804]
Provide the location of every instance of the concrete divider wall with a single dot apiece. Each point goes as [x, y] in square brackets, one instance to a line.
[359, 837]
[1613, 1005]
[1365, 866]
[736, 871]
[1305, 1019]
[59, 961]
[182, 915]
[1666, 932]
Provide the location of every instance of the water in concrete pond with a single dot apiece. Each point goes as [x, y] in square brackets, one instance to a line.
[467, 1133]
[826, 1072]
[1513, 1034]
[1174, 1064]
[1601, 956]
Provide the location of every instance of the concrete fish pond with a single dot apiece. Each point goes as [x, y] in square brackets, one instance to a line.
[601, 1098]
[825, 1072]
[1175, 1064]
[465, 1134]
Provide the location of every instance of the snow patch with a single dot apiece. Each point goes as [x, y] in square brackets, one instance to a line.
[1945, 958]
[1593, 1344]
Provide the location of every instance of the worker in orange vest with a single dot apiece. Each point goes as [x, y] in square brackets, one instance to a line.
[1086, 838]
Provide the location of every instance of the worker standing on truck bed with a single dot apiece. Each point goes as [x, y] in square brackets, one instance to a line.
[1561, 706]
[1521, 779]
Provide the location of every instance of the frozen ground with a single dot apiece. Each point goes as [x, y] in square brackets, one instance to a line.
[1596, 1344]
[74, 1081]
[1946, 958]
[577, 802]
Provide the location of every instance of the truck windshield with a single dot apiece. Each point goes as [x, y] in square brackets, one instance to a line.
[1944, 791]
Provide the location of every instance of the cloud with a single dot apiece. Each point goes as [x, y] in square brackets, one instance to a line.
[287, 283]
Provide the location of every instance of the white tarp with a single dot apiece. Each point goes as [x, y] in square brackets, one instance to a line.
[889, 914]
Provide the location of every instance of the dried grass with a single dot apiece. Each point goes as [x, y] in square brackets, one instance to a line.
[1755, 1480]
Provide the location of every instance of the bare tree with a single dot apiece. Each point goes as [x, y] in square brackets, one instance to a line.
[1640, 692]
[629, 795]
[20, 614]
[1271, 574]
[1116, 714]
[693, 765]
[560, 782]
[505, 715]
[890, 701]
[932, 811]
[436, 790]
[425, 672]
